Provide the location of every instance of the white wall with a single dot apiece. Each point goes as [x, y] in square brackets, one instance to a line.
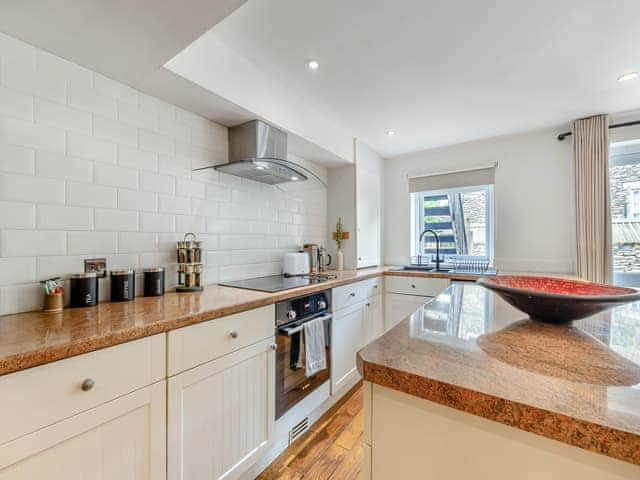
[534, 198]
[92, 168]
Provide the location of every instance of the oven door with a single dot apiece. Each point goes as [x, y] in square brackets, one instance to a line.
[292, 383]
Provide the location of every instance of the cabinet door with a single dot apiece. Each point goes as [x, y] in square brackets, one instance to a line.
[374, 319]
[369, 176]
[221, 414]
[346, 339]
[399, 306]
[123, 439]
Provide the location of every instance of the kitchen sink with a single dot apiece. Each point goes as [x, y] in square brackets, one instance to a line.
[430, 269]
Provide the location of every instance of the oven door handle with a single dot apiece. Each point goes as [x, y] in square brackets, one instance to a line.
[291, 330]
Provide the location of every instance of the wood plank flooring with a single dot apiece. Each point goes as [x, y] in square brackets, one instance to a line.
[330, 450]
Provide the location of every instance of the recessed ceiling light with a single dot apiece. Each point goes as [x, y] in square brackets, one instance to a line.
[294, 178]
[391, 132]
[628, 76]
[313, 64]
[259, 167]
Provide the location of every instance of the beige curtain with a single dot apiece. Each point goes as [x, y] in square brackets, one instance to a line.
[593, 213]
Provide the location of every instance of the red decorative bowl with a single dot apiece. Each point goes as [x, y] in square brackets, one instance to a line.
[558, 300]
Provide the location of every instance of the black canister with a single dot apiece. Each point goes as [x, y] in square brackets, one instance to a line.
[154, 282]
[123, 285]
[84, 290]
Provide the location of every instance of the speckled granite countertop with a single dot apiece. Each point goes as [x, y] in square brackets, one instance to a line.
[34, 338]
[469, 350]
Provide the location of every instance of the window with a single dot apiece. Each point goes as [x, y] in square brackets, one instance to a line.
[463, 219]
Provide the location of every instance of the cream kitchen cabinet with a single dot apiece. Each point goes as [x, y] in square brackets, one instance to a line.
[404, 295]
[347, 338]
[373, 319]
[369, 175]
[221, 414]
[101, 415]
[357, 321]
[221, 399]
[355, 194]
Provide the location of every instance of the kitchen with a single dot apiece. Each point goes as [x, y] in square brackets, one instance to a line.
[345, 176]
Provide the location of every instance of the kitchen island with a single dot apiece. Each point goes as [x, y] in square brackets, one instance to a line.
[468, 387]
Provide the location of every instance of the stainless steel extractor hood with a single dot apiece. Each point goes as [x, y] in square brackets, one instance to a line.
[258, 151]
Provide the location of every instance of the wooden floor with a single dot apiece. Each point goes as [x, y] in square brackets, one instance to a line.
[330, 450]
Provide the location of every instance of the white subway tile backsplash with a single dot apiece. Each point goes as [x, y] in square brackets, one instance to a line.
[17, 270]
[173, 128]
[190, 223]
[28, 188]
[27, 134]
[116, 90]
[141, 201]
[136, 116]
[134, 158]
[131, 242]
[218, 193]
[113, 176]
[91, 148]
[20, 298]
[56, 165]
[104, 170]
[154, 142]
[171, 204]
[52, 217]
[189, 188]
[17, 51]
[92, 243]
[84, 194]
[30, 243]
[59, 266]
[17, 215]
[15, 159]
[29, 80]
[85, 98]
[157, 106]
[216, 225]
[60, 116]
[116, 220]
[16, 104]
[157, 222]
[115, 131]
[153, 182]
[170, 165]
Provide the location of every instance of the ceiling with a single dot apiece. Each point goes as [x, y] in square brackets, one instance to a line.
[123, 39]
[443, 72]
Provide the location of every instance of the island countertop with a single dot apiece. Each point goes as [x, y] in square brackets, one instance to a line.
[469, 350]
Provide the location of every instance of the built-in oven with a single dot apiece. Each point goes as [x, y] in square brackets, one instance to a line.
[292, 382]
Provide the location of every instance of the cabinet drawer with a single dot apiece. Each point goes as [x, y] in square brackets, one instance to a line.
[356, 292]
[200, 343]
[40, 396]
[372, 287]
[348, 295]
[428, 287]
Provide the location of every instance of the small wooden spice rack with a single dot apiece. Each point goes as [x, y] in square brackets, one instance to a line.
[189, 254]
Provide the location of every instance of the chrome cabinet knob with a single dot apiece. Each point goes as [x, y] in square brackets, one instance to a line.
[352, 294]
[87, 384]
[273, 346]
[233, 334]
[368, 304]
[413, 286]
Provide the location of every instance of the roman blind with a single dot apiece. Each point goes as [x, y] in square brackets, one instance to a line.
[472, 177]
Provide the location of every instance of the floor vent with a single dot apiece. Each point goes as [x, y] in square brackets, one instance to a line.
[298, 430]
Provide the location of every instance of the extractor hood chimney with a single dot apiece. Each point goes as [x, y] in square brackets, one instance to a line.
[258, 151]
